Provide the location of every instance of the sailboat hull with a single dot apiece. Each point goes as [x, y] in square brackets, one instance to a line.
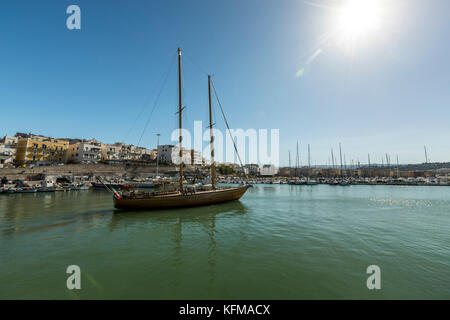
[178, 200]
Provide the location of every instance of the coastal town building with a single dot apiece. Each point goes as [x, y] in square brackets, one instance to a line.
[6, 156]
[150, 155]
[111, 151]
[8, 147]
[196, 157]
[269, 170]
[84, 151]
[41, 150]
[9, 141]
[170, 154]
[120, 151]
[252, 169]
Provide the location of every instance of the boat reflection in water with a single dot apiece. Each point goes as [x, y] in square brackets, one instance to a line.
[174, 222]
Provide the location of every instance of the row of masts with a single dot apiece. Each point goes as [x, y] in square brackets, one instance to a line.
[180, 110]
[343, 165]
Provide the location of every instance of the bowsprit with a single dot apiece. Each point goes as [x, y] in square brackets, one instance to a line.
[246, 309]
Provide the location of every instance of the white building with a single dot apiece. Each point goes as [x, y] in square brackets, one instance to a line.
[253, 169]
[171, 154]
[8, 147]
[122, 151]
[9, 141]
[86, 151]
[111, 151]
[196, 157]
[7, 155]
[269, 170]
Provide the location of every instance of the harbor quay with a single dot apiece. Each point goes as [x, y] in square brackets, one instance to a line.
[89, 176]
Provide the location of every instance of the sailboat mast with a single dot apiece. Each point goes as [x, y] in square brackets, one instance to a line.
[290, 171]
[332, 157]
[309, 161]
[180, 108]
[297, 162]
[398, 176]
[340, 155]
[213, 168]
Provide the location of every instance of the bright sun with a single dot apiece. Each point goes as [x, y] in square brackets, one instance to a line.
[358, 17]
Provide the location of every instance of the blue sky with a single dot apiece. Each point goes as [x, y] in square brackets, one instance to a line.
[389, 95]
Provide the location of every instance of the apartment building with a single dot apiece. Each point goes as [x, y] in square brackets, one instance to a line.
[41, 150]
[84, 151]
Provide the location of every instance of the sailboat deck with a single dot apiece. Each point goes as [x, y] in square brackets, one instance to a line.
[177, 193]
[179, 199]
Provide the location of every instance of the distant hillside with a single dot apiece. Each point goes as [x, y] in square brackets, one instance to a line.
[425, 166]
[416, 166]
[403, 167]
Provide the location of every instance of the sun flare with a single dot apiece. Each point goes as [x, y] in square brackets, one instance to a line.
[359, 17]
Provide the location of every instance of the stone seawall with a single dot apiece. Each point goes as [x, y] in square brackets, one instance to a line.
[90, 170]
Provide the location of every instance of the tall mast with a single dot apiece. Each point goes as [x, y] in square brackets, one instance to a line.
[332, 158]
[340, 155]
[426, 155]
[398, 175]
[345, 166]
[297, 162]
[213, 168]
[368, 159]
[332, 161]
[180, 108]
[309, 161]
[388, 166]
[157, 154]
[290, 172]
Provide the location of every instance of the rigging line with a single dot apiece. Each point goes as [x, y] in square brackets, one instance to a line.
[138, 117]
[226, 122]
[157, 99]
[194, 63]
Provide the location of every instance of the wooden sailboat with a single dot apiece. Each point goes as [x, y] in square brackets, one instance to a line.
[184, 197]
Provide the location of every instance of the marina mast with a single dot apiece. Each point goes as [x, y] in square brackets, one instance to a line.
[309, 161]
[180, 108]
[340, 155]
[213, 168]
[388, 166]
[296, 162]
[290, 171]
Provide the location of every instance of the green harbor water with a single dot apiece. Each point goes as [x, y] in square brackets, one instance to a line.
[277, 242]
